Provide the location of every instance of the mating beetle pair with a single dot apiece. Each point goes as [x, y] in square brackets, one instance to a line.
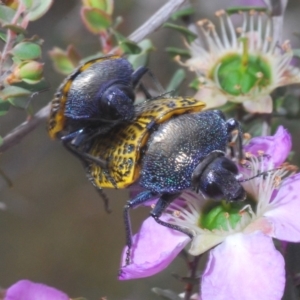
[166, 145]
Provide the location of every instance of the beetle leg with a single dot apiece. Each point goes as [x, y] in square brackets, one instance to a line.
[136, 77]
[163, 202]
[139, 199]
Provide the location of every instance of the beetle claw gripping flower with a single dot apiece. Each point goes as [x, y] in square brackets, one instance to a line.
[242, 65]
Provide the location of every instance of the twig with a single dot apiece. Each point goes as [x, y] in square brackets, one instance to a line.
[17, 134]
[163, 14]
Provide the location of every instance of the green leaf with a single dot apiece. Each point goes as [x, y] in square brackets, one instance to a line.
[27, 3]
[173, 51]
[27, 51]
[141, 59]
[237, 9]
[6, 14]
[126, 45]
[4, 107]
[36, 8]
[95, 20]
[105, 5]
[189, 35]
[13, 91]
[3, 36]
[182, 13]
[16, 29]
[176, 80]
[195, 84]
[20, 102]
[62, 63]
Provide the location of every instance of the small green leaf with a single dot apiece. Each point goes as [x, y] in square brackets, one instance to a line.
[237, 9]
[3, 36]
[73, 55]
[13, 91]
[16, 29]
[195, 84]
[126, 45]
[95, 20]
[105, 5]
[62, 63]
[173, 51]
[1, 139]
[36, 8]
[182, 13]
[20, 102]
[4, 107]
[27, 3]
[189, 35]
[141, 59]
[27, 51]
[176, 80]
[6, 14]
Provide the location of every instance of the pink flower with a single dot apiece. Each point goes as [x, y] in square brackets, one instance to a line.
[243, 262]
[28, 290]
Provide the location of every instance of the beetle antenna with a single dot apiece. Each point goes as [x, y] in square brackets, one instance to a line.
[264, 174]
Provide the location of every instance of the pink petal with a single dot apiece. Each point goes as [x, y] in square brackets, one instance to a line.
[27, 290]
[261, 106]
[244, 267]
[154, 248]
[284, 213]
[277, 146]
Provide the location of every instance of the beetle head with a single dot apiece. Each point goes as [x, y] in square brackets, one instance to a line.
[216, 179]
[116, 103]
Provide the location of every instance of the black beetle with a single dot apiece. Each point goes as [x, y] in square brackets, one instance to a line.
[93, 99]
[171, 145]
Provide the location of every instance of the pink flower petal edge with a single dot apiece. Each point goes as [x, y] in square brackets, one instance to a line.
[285, 210]
[277, 146]
[244, 267]
[154, 248]
[28, 290]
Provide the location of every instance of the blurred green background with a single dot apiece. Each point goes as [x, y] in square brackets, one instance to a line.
[54, 229]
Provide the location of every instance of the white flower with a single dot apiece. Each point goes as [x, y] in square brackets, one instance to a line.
[242, 65]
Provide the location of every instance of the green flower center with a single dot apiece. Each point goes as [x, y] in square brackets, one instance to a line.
[238, 74]
[222, 214]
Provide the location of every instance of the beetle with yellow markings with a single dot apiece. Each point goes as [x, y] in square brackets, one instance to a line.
[171, 145]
